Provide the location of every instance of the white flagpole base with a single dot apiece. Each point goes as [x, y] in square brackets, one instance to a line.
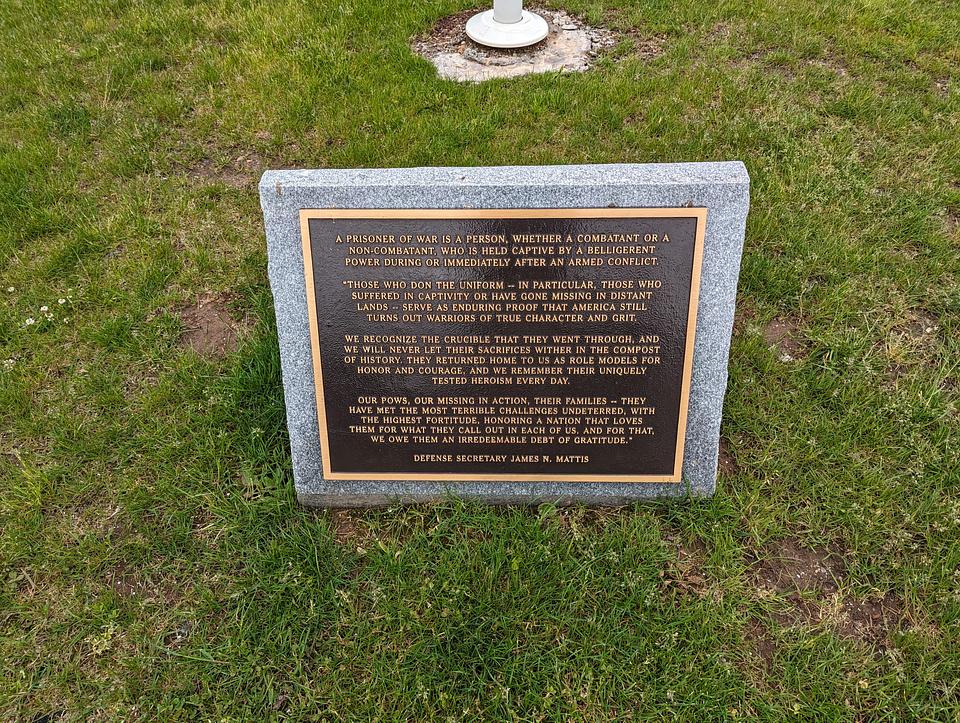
[530, 29]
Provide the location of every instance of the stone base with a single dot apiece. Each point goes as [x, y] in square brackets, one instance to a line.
[722, 188]
[483, 28]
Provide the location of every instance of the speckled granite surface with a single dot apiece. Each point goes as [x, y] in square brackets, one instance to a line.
[723, 188]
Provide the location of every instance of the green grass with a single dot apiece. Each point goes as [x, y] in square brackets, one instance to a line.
[153, 561]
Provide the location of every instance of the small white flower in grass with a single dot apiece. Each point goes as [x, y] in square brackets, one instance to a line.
[44, 308]
[10, 289]
[30, 321]
[61, 301]
[8, 364]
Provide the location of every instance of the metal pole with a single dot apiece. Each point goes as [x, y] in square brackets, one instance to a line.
[507, 11]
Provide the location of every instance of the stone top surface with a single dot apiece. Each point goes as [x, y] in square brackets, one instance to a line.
[615, 174]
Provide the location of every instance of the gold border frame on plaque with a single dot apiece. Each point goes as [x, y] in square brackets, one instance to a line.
[456, 213]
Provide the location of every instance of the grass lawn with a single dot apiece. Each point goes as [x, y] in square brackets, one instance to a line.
[153, 561]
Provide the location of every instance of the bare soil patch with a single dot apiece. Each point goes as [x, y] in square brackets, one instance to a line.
[241, 171]
[11, 459]
[648, 47]
[908, 344]
[208, 326]
[811, 580]
[754, 57]
[831, 62]
[726, 461]
[952, 221]
[743, 317]
[783, 335]
[346, 530]
[786, 567]
[126, 583]
[760, 641]
[581, 519]
[870, 621]
[892, 373]
[131, 584]
[447, 34]
[204, 527]
[686, 573]
[721, 32]
[921, 326]
[102, 520]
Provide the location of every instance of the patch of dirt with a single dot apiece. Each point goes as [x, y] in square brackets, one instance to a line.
[447, 34]
[242, 171]
[811, 582]
[905, 251]
[870, 620]
[942, 85]
[758, 54]
[100, 520]
[124, 582]
[831, 62]
[57, 715]
[204, 527]
[720, 32]
[952, 221]
[11, 459]
[783, 335]
[208, 326]
[571, 46]
[346, 531]
[743, 316]
[921, 326]
[752, 58]
[910, 341]
[648, 47]
[760, 641]
[686, 573]
[726, 461]
[908, 344]
[783, 67]
[131, 585]
[21, 582]
[785, 567]
[579, 519]
[814, 282]
[893, 371]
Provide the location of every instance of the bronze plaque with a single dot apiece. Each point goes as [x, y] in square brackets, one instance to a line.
[507, 344]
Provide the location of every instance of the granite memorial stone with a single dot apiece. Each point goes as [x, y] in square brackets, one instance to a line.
[508, 334]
